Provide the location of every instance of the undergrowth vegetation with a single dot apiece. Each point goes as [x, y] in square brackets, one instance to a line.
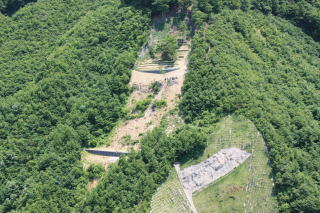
[265, 68]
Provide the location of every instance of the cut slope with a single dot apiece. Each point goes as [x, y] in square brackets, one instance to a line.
[169, 92]
[246, 189]
[133, 129]
[249, 187]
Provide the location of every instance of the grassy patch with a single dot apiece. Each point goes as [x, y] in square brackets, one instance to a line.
[141, 106]
[127, 140]
[170, 197]
[246, 189]
[249, 187]
[225, 195]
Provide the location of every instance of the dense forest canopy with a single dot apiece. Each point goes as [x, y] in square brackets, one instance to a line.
[158, 6]
[31, 35]
[268, 70]
[304, 13]
[65, 66]
[77, 65]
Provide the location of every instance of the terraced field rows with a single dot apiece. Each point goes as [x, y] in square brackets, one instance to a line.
[170, 197]
[249, 188]
[160, 66]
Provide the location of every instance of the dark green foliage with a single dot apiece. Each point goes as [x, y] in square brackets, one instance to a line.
[41, 174]
[77, 72]
[304, 13]
[129, 185]
[168, 48]
[95, 171]
[157, 6]
[203, 9]
[155, 87]
[268, 70]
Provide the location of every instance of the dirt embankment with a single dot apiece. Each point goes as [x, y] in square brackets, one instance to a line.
[171, 84]
[170, 90]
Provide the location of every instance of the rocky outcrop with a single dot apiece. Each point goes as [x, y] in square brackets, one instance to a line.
[201, 175]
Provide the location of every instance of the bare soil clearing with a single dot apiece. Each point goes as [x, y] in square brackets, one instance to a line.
[170, 90]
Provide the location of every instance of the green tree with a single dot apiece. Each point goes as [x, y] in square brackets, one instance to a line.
[168, 47]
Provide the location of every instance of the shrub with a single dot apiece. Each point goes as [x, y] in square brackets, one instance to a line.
[155, 87]
[167, 47]
[141, 106]
[159, 104]
[95, 171]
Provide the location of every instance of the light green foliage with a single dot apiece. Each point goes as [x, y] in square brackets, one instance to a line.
[246, 189]
[127, 140]
[141, 106]
[198, 17]
[158, 104]
[265, 68]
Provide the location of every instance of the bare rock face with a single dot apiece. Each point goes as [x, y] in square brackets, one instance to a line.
[200, 175]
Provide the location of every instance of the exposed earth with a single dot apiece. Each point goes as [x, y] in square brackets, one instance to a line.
[144, 74]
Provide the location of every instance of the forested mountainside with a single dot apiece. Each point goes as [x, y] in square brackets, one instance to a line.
[65, 66]
[304, 13]
[268, 70]
[31, 35]
[77, 58]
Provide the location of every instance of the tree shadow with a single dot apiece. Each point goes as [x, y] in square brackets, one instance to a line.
[13, 6]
